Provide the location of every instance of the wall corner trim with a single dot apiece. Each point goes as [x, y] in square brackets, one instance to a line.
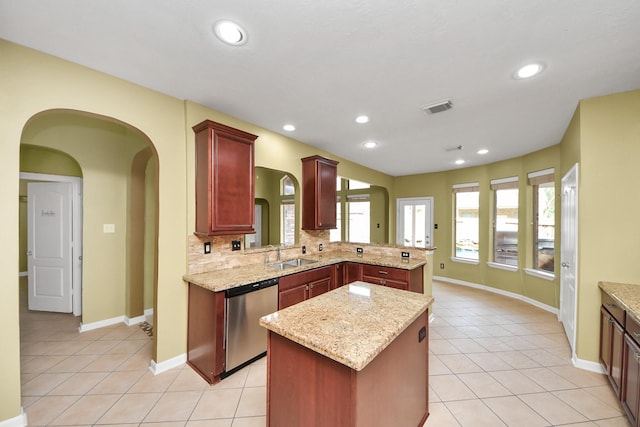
[158, 368]
[587, 365]
[18, 421]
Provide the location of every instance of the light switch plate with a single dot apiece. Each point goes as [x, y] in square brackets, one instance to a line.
[108, 228]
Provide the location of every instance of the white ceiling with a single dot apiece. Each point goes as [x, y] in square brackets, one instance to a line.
[320, 63]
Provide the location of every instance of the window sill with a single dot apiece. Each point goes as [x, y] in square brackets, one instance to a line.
[540, 274]
[465, 260]
[502, 266]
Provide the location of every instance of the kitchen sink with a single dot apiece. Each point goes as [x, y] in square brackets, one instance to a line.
[292, 263]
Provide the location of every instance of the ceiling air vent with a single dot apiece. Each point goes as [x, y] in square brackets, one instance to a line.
[438, 108]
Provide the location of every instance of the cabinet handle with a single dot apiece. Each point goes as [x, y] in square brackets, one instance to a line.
[637, 335]
[610, 320]
[306, 288]
[609, 305]
[310, 286]
[382, 272]
[637, 357]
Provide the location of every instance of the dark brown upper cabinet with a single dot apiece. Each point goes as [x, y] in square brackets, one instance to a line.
[224, 180]
[319, 193]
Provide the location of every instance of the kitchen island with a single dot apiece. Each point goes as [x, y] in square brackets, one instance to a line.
[355, 356]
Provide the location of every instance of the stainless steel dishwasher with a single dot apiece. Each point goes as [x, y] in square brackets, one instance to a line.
[245, 339]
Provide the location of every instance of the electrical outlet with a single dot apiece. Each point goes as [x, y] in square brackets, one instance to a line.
[405, 254]
[304, 250]
[207, 247]
[320, 247]
[359, 251]
[442, 266]
[236, 245]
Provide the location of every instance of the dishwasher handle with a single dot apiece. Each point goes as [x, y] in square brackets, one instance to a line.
[251, 287]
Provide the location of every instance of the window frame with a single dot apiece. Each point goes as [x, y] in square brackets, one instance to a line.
[470, 187]
[544, 177]
[501, 256]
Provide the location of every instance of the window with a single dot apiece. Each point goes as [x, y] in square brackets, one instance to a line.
[287, 212]
[353, 201]
[466, 230]
[359, 216]
[505, 221]
[544, 219]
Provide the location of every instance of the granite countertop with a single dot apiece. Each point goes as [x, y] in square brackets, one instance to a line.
[351, 324]
[627, 295]
[221, 280]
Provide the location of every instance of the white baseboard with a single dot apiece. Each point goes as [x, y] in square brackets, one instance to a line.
[148, 314]
[134, 320]
[19, 421]
[84, 327]
[175, 362]
[522, 298]
[587, 365]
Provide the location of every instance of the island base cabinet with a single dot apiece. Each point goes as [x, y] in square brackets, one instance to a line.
[305, 388]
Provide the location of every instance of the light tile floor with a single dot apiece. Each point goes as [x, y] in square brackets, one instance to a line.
[494, 361]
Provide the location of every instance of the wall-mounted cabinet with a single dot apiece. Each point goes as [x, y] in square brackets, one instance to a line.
[224, 180]
[319, 193]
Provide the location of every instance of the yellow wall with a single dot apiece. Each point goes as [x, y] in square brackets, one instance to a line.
[32, 83]
[609, 229]
[439, 186]
[604, 137]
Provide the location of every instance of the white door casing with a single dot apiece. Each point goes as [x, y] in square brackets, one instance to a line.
[569, 255]
[76, 246]
[414, 222]
[49, 247]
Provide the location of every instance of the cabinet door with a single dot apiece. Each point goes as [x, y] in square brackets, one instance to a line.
[353, 272]
[611, 348]
[631, 380]
[605, 340]
[318, 193]
[338, 275]
[224, 179]
[292, 296]
[617, 349]
[319, 287]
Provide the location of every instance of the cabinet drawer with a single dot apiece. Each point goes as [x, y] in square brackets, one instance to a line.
[385, 272]
[613, 308]
[305, 277]
[633, 329]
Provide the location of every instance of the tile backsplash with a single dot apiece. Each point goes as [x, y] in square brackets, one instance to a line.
[222, 257]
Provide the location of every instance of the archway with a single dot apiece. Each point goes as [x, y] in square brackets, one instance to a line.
[120, 173]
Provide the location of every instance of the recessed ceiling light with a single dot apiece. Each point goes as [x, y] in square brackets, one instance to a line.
[528, 71]
[289, 128]
[362, 119]
[230, 33]
[370, 144]
[483, 151]
[459, 162]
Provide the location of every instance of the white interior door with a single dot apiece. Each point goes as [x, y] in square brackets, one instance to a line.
[568, 254]
[414, 222]
[49, 247]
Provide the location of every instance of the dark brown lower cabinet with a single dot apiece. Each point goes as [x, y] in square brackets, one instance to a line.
[298, 287]
[611, 348]
[631, 379]
[205, 333]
